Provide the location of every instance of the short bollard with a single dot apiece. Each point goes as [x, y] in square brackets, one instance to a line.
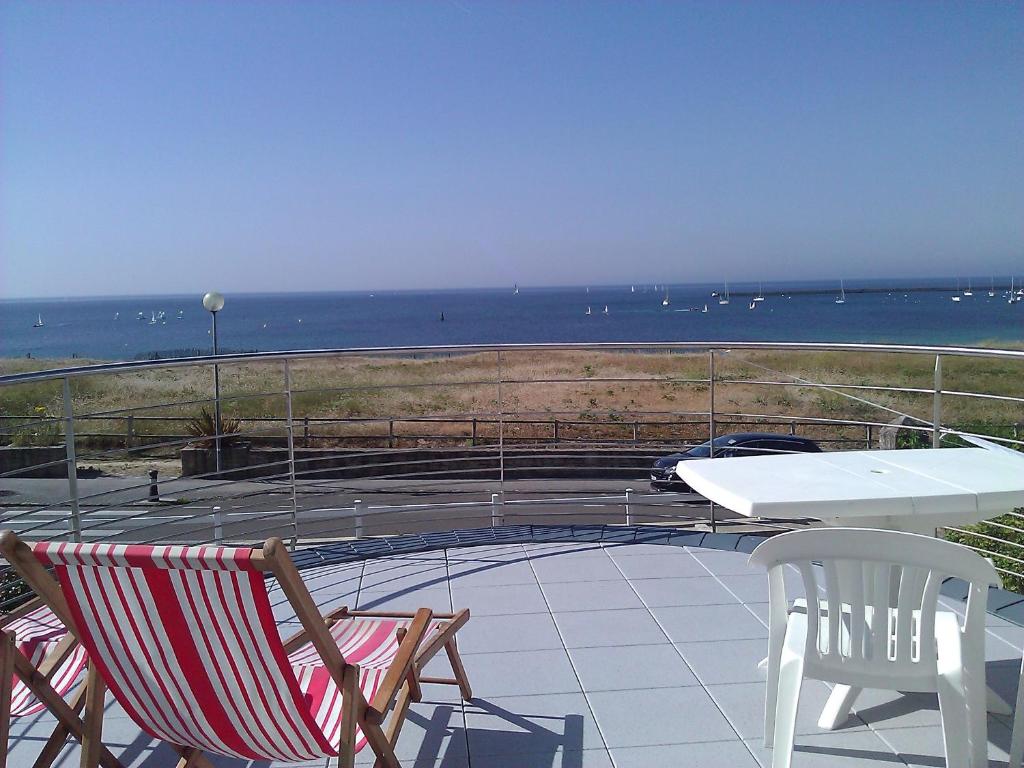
[154, 492]
[629, 518]
[218, 525]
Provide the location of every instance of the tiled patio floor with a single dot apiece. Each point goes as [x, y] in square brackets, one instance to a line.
[585, 656]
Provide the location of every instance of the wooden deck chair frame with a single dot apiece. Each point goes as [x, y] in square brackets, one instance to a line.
[400, 686]
[37, 680]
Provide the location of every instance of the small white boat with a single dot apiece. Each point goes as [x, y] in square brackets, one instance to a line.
[117, 315]
[968, 292]
[39, 322]
[515, 290]
[588, 311]
[753, 304]
[760, 292]
[841, 298]
[665, 302]
[632, 289]
[955, 298]
[992, 288]
[152, 318]
[181, 314]
[705, 308]
[140, 316]
[725, 295]
[606, 309]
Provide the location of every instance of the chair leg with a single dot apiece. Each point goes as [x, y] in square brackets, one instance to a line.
[349, 696]
[953, 709]
[977, 711]
[7, 651]
[92, 729]
[61, 733]
[791, 676]
[460, 671]
[1017, 740]
[837, 709]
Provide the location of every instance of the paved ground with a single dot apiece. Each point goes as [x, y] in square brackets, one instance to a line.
[590, 656]
[113, 508]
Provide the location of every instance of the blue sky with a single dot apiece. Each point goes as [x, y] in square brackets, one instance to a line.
[168, 147]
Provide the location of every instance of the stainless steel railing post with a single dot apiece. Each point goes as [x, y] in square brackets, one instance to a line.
[501, 430]
[69, 445]
[711, 422]
[629, 519]
[937, 404]
[290, 426]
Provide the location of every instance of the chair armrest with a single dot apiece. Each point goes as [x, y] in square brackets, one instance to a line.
[399, 669]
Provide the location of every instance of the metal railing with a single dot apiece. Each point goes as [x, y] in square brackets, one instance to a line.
[514, 450]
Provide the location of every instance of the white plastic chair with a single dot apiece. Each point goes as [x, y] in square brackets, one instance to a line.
[885, 586]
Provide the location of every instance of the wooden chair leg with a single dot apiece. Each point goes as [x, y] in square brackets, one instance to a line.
[192, 757]
[349, 716]
[7, 651]
[61, 733]
[459, 670]
[92, 728]
[380, 745]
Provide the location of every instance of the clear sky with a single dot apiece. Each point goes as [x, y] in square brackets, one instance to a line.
[262, 146]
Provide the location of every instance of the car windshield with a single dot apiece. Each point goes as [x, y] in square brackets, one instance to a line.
[703, 450]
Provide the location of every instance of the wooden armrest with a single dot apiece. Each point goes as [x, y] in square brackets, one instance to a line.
[399, 669]
[395, 614]
[301, 637]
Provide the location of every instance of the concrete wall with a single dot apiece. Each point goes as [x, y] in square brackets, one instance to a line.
[20, 459]
[242, 462]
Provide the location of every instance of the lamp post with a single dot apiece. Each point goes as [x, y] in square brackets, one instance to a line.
[213, 302]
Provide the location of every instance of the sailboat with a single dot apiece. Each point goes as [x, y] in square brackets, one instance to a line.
[968, 292]
[1013, 297]
[515, 289]
[117, 315]
[632, 289]
[152, 318]
[606, 309]
[753, 304]
[588, 311]
[39, 322]
[181, 314]
[760, 292]
[724, 299]
[705, 308]
[665, 302]
[841, 298]
[992, 287]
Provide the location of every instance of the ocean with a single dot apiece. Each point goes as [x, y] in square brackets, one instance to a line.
[123, 328]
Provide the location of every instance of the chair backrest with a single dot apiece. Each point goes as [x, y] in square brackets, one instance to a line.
[885, 586]
[39, 633]
[186, 640]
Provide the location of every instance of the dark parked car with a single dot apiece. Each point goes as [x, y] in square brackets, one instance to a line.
[664, 477]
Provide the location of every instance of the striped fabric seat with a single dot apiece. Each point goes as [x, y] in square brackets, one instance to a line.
[186, 640]
[370, 643]
[38, 633]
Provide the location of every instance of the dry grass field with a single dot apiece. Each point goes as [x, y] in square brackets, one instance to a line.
[595, 395]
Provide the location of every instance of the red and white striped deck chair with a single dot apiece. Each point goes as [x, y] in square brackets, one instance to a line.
[186, 640]
[41, 662]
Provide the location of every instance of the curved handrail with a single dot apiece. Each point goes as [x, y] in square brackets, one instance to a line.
[309, 354]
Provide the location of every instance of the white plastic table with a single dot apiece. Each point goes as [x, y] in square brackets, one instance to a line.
[903, 490]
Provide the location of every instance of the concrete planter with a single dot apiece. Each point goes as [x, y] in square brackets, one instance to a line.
[24, 462]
